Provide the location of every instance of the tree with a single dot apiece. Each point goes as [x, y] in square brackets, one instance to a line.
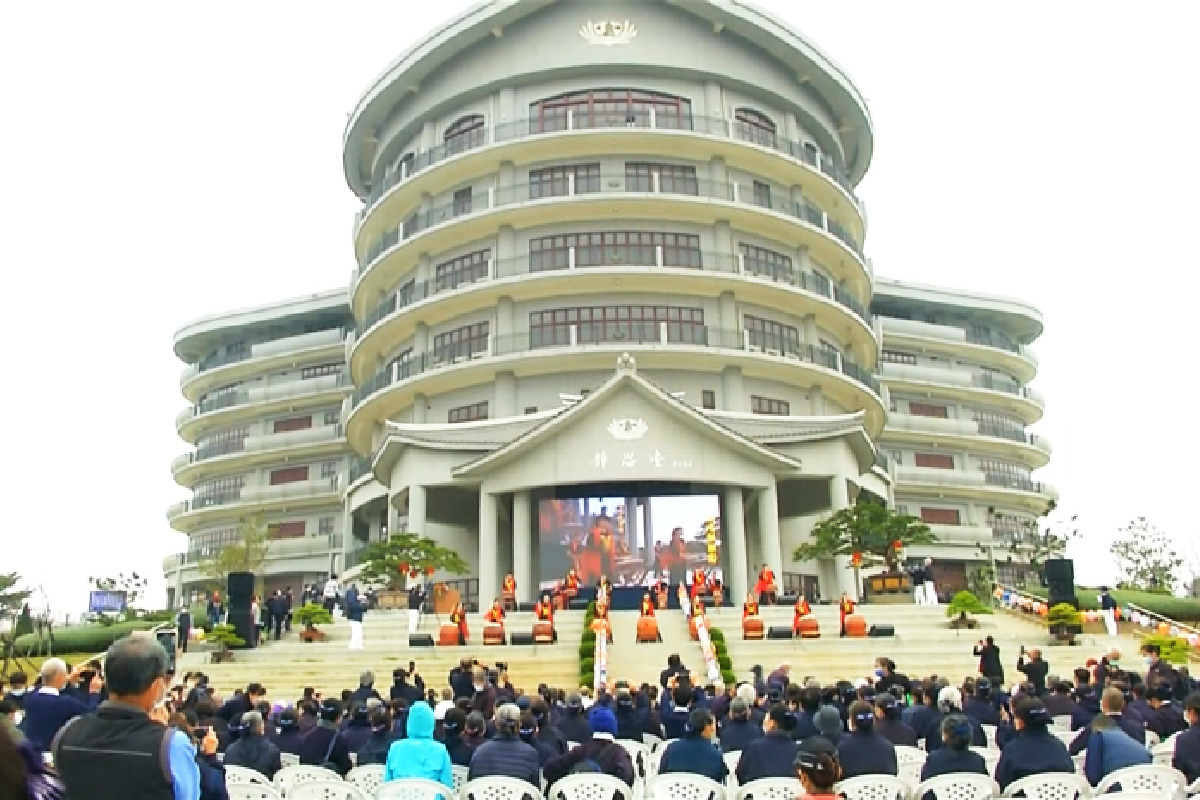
[133, 586]
[11, 598]
[407, 555]
[1146, 557]
[248, 554]
[869, 532]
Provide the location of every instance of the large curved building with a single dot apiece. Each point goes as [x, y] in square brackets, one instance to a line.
[612, 295]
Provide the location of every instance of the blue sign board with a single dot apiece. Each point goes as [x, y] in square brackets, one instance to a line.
[106, 602]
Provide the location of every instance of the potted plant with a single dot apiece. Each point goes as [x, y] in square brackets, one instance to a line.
[869, 533]
[310, 616]
[406, 557]
[224, 637]
[962, 606]
[1065, 622]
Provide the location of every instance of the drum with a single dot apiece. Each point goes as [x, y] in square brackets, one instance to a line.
[543, 632]
[809, 627]
[647, 629]
[752, 628]
[493, 633]
[448, 635]
[856, 626]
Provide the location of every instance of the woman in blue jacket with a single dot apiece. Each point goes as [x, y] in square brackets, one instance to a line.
[420, 755]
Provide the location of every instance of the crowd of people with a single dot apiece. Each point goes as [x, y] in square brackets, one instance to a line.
[94, 724]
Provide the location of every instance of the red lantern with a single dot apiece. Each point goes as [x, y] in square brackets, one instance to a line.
[856, 559]
[896, 545]
[404, 566]
[429, 570]
[412, 573]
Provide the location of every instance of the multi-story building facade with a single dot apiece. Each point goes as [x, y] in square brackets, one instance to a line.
[668, 189]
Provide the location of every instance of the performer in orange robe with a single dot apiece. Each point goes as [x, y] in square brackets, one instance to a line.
[495, 613]
[697, 607]
[802, 610]
[845, 609]
[571, 584]
[602, 616]
[510, 590]
[698, 583]
[750, 607]
[765, 586]
[543, 611]
[459, 617]
[647, 605]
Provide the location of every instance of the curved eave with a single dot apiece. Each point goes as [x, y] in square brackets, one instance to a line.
[1017, 316]
[406, 74]
[191, 340]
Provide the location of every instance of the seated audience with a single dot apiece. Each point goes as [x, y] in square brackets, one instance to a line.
[1187, 744]
[419, 755]
[739, 730]
[601, 753]
[773, 754]
[323, 746]
[695, 752]
[1112, 703]
[506, 755]
[865, 752]
[1033, 749]
[528, 732]
[375, 749]
[888, 724]
[253, 750]
[1110, 748]
[956, 754]
[818, 770]
[47, 709]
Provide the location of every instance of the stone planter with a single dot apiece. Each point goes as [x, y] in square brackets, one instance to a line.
[390, 599]
[312, 635]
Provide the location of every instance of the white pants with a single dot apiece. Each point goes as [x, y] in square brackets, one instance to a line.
[931, 598]
[919, 594]
[1110, 621]
[414, 618]
[356, 635]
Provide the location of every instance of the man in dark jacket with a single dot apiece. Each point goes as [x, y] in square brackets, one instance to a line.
[676, 705]
[979, 706]
[739, 730]
[629, 720]
[366, 688]
[324, 746]
[1058, 699]
[674, 667]
[1187, 744]
[1035, 669]
[239, 704]
[694, 753]
[774, 754]
[253, 750]
[863, 751]
[548, 732]
[1167, 718]
[483, 694]
[460, 679]
[288, 735]
[403, 690]
[1033, 749]
[600, 753]
[1112, 703]
[507, 756]
[1087, 706]
[574, 725]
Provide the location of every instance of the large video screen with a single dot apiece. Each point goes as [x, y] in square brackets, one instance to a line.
[657, 538]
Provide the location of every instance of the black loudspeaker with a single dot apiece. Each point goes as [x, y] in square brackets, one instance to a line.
[578, 604]
[243, 623]
[786, 600]
[1060, 581]
[881, 631]
[239, 589]
[779, 632]
[420, 640]
[520, 637]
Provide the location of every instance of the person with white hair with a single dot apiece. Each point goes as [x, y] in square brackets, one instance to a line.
[506, 755]
[949, 702]
[47, 710]
[252, 749]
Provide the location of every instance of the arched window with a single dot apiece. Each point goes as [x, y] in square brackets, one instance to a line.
[754, 126]
[467, 133]
[609, 108]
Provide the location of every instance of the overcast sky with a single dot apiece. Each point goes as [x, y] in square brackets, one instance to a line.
[163, 161]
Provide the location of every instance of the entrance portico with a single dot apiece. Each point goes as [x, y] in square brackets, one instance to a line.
[473, 486]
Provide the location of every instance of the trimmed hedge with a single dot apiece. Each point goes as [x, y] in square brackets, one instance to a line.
[1171, 649]
[1180, 609]
[82, 638]
[587, 648]
[717, 637]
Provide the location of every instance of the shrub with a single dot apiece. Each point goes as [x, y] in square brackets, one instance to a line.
[1180, 609]
[725, 662]
[1063, 614]
[587, 667]
[966, 603]
[81, 638]
[226, 636]
[311, 615]
[728, 678]
[1171, 649]
[716, 635]
[157, 617]
[587, 650]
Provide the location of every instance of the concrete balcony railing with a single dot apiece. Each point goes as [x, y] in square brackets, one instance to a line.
[932, 476]
[300, 546]
[1041, 443]
[264, 443]
[258, 495]
[926, 374]
[961, 534]
[927, 330]
[261, 394]
[288, 345]
[935, 425]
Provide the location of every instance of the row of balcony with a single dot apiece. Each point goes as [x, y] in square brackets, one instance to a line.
[260, 444]
[294, 346]
[251, 495]
[973, 479]
[967, 428]
[320, 544]
[260, 394]
[634, 333]
[949, 376]
[1018, 357]
[761, 195]
[649, 120]
[701, 261]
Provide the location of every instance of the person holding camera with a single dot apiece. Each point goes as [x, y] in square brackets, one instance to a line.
[1034, 669]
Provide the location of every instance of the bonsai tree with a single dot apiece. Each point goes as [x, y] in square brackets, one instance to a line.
[869, 533]
[407, 555]
[1064, 621]
[310, 616]
[225, 637]
[963, 604]
[1171, 649]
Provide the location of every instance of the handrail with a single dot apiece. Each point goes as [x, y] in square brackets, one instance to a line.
[706, 646]
[1186, 631]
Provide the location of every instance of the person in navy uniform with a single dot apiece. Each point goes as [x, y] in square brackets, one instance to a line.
[1034, 749]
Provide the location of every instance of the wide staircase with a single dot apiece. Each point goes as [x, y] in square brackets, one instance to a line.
[288, 666]
[642, 662]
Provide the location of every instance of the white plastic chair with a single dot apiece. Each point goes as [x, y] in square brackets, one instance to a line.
[771, 789]
[589, 786]
[875, 787]
[1152, 739]
[639, 754]
[683, 786]
[498, 789]
[731, 761]
[1148, 779]
[289, 759]
[958, 786]
[1164, 754]
[651, 741]
[326, 790]
[236, 774]
[1051, 786]
[1062, 722]
[368, 777]
[910, 760]
[461, 775]
[252, 791]
[289, 778]
[412, 789]
[1066, 737]
[989, 731]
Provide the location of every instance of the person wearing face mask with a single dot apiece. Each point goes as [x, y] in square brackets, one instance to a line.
[770, 755]
[865, 752]
[127, 735]
[886, 677]
[484, 697]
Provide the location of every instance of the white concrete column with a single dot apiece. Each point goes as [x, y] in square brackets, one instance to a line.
[768, 530]
[487, 549]
[649, 551]
[733, 537]
[631, 525]
[505, 396]
[522, 522]
[839, 498]
[420, 409]
[416, 510]
[733, 392]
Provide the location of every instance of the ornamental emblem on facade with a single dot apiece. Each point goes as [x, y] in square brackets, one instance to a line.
[608, 32]
[627, 430]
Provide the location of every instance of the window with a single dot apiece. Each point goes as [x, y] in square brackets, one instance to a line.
[471, 413]
[896, 357]
[767, 405]
[462, 201]
[286, 530]
[610, 248]
[616, 324]
[708, 399]
[1000, 425]
[828, 346]
[897, 456]
[223, 397]
[292, 424]
[222, 442]
[325, 526]
[762, 194]
[332, 418]
[769, 335]
[811, 154]
[609, 108]
[672, 178]
[404, 167]
[928, 410]
[1007, 474]
[209, 543]
[329, 469]
[320, 370]
[402, 364]
[405, 294]
[462, 270]
[934, 460]
[289, 475]
[530, 409]
[218, 492]
[940, 516]
[754, 126]
[462, 342]
[766, 263]
[821, 282]
[464, 134]
[556, 181]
